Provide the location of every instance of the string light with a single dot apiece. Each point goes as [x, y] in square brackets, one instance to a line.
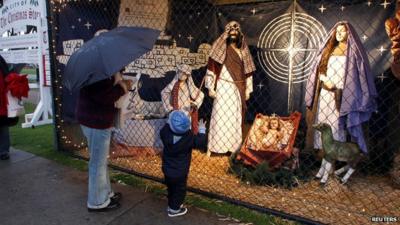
[57, 6]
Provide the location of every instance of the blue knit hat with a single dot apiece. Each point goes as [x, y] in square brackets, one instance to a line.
[178, 122]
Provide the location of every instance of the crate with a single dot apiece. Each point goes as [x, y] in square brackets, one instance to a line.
[252, 155]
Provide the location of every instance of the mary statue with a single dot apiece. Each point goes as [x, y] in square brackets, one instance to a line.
[340, 90]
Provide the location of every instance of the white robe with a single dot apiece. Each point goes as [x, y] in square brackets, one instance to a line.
[225, 132]
[327, 112]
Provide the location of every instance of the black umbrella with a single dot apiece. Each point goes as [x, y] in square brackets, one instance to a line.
[106, 54]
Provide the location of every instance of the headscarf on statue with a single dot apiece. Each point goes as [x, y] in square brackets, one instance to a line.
[194, 94]
[218, 49]
[194, 91]
[359, 92]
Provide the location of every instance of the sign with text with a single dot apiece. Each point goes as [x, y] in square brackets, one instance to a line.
[17, 14]
[21, 41]
[21, 56]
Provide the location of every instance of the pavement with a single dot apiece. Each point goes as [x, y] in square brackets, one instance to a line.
[37, 191]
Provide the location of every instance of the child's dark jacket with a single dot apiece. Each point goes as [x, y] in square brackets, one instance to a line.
[176, 157]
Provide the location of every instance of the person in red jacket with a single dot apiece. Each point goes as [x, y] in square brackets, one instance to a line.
[96, 113]
[5, 122]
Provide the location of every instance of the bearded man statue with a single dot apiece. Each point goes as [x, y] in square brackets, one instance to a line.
[229, 82]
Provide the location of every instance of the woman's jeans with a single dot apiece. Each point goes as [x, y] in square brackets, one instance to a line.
[99, 182]
[4, 140]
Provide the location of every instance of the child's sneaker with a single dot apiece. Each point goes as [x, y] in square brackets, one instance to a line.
[180, 212]
[168, 208]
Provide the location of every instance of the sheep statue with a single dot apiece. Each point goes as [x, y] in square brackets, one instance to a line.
[335, 150]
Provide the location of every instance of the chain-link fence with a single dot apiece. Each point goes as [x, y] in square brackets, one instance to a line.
[300, 102]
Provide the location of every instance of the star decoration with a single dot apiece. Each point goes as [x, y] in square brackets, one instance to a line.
[369, 3]
[382, 77]
[322, 8]
[260, 85]
[206, 27]
[253, 11]
[190, 38]
[385, 4]
[87, 25]
[179, 35]
[364, 37]
[72, 27]
[79, 20]
[382, 49]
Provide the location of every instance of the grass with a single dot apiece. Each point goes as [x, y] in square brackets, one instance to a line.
[27, 70]
[32, 74]
[40, 141]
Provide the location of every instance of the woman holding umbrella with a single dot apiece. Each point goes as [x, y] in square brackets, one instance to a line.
[94, 70]
[96, 114]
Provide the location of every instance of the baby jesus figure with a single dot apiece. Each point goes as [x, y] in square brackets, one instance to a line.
[274, 134]
[267, 134]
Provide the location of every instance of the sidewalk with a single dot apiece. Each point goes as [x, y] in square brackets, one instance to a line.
[36, 191]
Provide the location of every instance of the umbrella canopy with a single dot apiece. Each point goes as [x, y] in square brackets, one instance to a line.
[106, 54]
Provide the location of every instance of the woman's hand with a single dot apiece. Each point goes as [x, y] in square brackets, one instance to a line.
[126, 85]
[117, 78]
